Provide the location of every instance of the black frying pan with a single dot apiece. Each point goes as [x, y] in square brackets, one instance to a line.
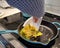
[49, 26]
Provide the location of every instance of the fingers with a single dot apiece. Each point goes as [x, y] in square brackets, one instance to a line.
[35, 19]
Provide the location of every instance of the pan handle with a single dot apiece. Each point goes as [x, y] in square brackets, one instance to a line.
[8, 31]
[56, 23]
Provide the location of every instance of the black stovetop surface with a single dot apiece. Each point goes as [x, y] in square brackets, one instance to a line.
[55, 44]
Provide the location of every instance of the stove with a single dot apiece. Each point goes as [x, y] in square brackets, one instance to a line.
[47, 17]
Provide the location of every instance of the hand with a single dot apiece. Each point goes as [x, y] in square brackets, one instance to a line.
[35, 19]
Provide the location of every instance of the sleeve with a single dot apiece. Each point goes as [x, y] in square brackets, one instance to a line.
[32, 7]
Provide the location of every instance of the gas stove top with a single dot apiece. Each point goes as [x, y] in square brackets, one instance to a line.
[47, 17]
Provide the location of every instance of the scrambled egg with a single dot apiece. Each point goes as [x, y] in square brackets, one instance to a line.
[29, 31]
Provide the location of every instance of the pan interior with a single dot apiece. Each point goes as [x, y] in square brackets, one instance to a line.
[47, 34]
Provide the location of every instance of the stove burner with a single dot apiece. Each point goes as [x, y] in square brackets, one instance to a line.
[55, 44]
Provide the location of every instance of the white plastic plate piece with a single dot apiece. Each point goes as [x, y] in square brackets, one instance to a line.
[32, 23]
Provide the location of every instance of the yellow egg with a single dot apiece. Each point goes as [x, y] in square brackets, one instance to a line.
[39, 34]
[29, 31]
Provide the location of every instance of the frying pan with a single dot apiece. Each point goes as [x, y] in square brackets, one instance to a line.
[53, 27]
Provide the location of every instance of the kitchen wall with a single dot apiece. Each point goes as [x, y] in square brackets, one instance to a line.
[52, 6]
